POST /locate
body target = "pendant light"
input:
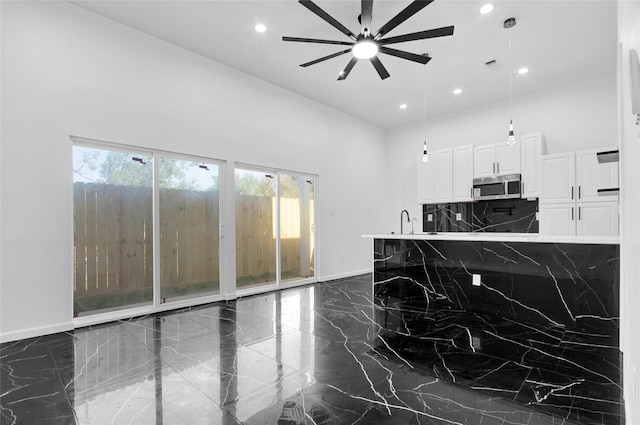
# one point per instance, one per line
(425, 154)
(511, 138)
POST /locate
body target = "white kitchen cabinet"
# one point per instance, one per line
(463, 173)
(558, 178)
(443, 178)
(532, 147)
(570, 176)
(496, 159)
(484, 161)
(426, 181)
(507, 158)
(557, 219)
(581, 219)
(591, 176)
(435, 178)
(597, 219)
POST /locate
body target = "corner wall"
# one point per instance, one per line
(67, 71)
(629, 38)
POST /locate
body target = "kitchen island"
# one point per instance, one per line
(559, 280)
(526, 318)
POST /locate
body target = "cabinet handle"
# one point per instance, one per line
(572, 214)
(471, 192)
(579, 192)
(572, 193)
(579, 213)
(494, 168)
(498, 167)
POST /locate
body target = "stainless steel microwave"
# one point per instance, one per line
(497, 187)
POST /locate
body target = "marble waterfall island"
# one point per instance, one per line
(525, 317)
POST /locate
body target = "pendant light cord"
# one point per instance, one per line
(424, 103)
(510, 86)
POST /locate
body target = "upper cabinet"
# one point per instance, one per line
(443, 175)
(426, 181)
(496, 159)
(463, 173)
(578, 176)
(592, 176)
(558, 178)
(533, 146)
(447, 176)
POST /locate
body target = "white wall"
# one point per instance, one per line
(629, 38)
(66, 71)
(582, 115)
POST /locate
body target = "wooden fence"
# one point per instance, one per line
(113, 238)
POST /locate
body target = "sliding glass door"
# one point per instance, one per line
(274, 227)
(189, 206)
(297, 242)
(146, 228)
(113, 229)
(255, 228)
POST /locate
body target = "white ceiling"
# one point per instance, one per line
(559, 41)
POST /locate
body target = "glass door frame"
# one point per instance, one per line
(278, 284)
(157, 305)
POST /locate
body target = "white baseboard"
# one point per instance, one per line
(344, 275)
(34, 332)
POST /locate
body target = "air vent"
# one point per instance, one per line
(492, 64)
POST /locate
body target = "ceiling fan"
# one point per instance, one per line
(367, 45)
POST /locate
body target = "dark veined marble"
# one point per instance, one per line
(501, 215)
(321, 354)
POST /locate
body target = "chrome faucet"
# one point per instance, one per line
(402, 215)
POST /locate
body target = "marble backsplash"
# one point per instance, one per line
(508, 215)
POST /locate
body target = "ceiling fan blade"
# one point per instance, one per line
(317, 40)
(438, 32)
(324, 58)
(382, 71)
(405, 55)
(344, 74)
(408, 12)
(324, 15)
(367, 11)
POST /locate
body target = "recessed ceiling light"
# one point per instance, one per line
(457, 91)
(403, 106)
(260, 28)
(523, 70)
(487, 8)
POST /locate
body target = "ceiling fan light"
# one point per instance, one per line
(365, 49)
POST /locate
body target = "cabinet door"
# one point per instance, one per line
(507, 158)
(426, 182)
(558, 219)
(484, 161)
(443, 175)
(531, 150)
(598, 218)
(591, 176)
(463, 173)
(558, 178)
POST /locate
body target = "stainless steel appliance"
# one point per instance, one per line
(496, 187)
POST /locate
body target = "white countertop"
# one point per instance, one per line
(500, 237)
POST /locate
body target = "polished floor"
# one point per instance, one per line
(319, 354)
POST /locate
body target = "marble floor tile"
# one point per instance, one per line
(320, 354)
